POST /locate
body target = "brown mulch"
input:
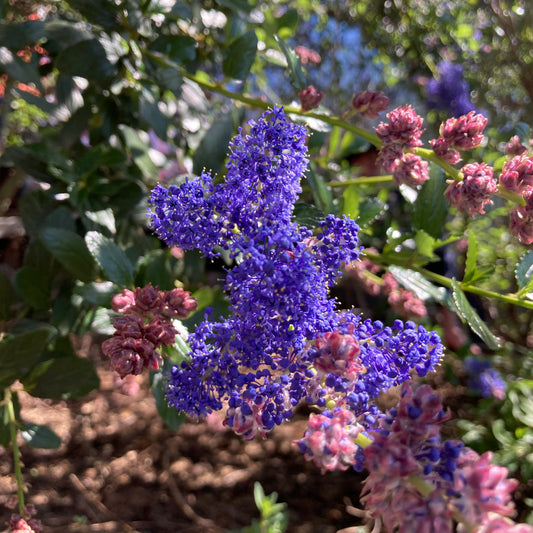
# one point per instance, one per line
(120, 470)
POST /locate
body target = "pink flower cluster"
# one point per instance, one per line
(329, 439)
(18, 524)
(463, 133)
(370, 104)
(144, 326)
(474, 191)
(418, 483)
(403, 301)
(402, 132)
(517, 177)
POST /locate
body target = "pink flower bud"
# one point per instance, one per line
(517, 174)
(307, 55)
(474, 191)
(515, 147)
(389, 156)
(337, 353)
(123, 302)
(179, 303)
(128, 326)
(521, 219)
(310, 98)
(404, 127)
(411, 170)
(160, 332)
(369, 103)
(465, 132)
(442, 149)
(148, 301)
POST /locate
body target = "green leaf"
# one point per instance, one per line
(17, 36)
(307, 215)
(157, 270)
(100, 12)
(430, 207)
(63, 34)
(468, 315)
(296, 72)
(71, 251)
(170, 415)
(369, 210)
(211, 152)
(99, 294)
(33, 285)
(150, 113)
(138, 150)
(86, 59)
(321, 193)
(7, 297)
(425, 244)
(63, 378)
(524, 274)
(236, 5)
(471, 258)
(179, 48)
(18, 69)
(113, 261)
(20, 353)
(38, 436)
(240, 56)
(351, 200)
(418, 284)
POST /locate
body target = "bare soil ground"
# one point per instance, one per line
(120, 470)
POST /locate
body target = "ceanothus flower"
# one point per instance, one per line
(283, 340)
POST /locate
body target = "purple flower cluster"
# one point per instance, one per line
(284, 340)
(449, 92)
(484, 379)
(417, 482)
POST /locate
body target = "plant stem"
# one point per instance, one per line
(361, 180)
(16, 452)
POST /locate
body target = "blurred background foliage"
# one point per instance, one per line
(103, 99)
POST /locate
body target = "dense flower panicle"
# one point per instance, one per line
(482, 488)
(517, 174)
(404, 128)
(515, 147)
(370, 103)
(521, 219)
(474, 191)
(443, 150)
(449, 91)
(145, 324)
(484, 379)
(465, 132)
(310, 98)
(329, 439)
(411, 170)
(416, 479)
(264, 171)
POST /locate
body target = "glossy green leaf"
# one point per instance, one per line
(468, 315)
(471, 258)
(369, 210)
(321, 193)
(7, 297)
(179, 48)
(71, 251)
(240, 56)
(236, 5)
(100, 12)
(86, 59)
(39, 436)
(20, 353)
(524, 274)
(296, 73)
(418, 284)
(170, 415)
(351, 201)
(64, 378)
(16, 36)
(17, 69)
(151, 114)
(138, 150)
(113, 261)
(33, 285)
(213, 147)
(430, 207)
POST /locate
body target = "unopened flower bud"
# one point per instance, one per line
(404, 127)
(369, 103)
(474, 191)
(517, 174)
(411, 170)
(442, 149)
(515, 147)
(123, 302)
(310, 98)
(465, 132)
(521, 219)
(180, 303)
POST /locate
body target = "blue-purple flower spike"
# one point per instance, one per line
(284, 340)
